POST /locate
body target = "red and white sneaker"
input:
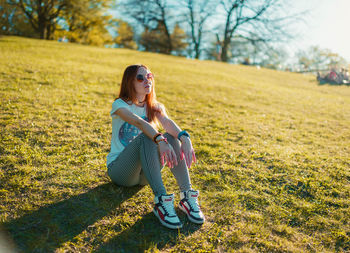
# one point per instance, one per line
(189, 205)
(165, 211)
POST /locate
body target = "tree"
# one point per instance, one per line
(178, 37)
(125, 35)
(155, 40)
(274, 58)
(6, 12)
(85, 22)
(316, 59)
(82, 21)
(41, 14)
(198, 13)
(255, 21)
(152, 15)
(258, 53)
(13, 21)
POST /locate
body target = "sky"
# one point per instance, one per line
(326, 25)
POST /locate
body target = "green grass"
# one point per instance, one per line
(273, 153)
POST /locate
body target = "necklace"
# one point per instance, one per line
(140, 102)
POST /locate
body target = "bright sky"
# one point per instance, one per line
(327, 25)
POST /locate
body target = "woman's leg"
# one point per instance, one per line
(180, 171)
(126, 169)
(189, 198)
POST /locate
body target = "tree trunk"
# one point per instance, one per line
(197, 51)
(224, 49)
(48, 32)
(41, 29)
(227, 39)
(170, 45)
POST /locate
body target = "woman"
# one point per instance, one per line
(139, 151)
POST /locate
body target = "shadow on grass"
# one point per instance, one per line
(148, 233)
(47, 228)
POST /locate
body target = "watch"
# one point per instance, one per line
(183, 132)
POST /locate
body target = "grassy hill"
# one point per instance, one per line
(273, 153)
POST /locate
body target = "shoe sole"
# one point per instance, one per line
(164, 223)
(189, 216)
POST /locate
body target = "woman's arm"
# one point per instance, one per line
(172, 128)
(169, 125)
(137, 121)
(167, 154)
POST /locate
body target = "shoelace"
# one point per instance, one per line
(169, 208)
(193, 202)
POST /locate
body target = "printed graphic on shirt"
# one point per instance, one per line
(128, 132)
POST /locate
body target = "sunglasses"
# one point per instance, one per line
(141, 78)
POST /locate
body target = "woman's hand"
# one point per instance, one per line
(167, 154)
(187, 151)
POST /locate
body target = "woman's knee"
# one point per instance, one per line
(149, 144)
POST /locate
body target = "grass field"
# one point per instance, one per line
(273, 153)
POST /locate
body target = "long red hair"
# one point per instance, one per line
(128, 92)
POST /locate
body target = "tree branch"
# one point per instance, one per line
(28, 14)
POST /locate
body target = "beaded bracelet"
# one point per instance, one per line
(164, 139)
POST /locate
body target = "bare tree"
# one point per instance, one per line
(315, 59)
(151, 15)
(198, 13)
(255, 21)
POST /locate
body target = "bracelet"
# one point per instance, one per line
(156, 136)
(164, 139)
(183, 132)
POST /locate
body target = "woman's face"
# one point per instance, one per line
(143, 81)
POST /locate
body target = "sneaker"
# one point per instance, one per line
(189, 205)
(165, 211)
